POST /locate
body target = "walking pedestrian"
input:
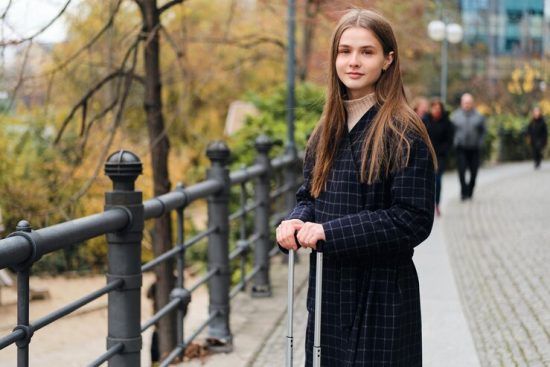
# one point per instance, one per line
(421, 106)
(469, 134)
(440, 131)
(368, 199)
(538, 135)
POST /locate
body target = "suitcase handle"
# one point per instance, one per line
(318, 300)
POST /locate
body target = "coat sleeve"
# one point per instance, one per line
(396, 229)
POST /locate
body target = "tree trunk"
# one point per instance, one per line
(312, 8)
(159, 148)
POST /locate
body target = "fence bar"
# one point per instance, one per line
(175, 352)
(124, 260)
(246, 174)
(181, 265)
(204, 279)
(262, 284)
(162, 204)
(180, 348)
(15, 250)
(23, 316)
(282, 161)
(115, 349)
(160, 314)
(243, 246)
(64, 311)
(197, 331)
(176, 250)
(23, 230)
(11, 338)
(247, 209)
(218, 249)
(280, 191)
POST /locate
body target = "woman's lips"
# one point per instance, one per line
(355, 75)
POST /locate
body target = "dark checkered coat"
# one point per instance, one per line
(371, 302)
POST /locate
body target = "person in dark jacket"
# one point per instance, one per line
(469, 134)
(538, 135)
(368, 197)
(440, 131)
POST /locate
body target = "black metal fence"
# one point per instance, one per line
(123, 221)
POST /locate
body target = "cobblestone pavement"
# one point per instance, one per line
(499, 245)
(273, 354)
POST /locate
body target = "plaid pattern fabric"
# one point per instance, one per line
(371, 302)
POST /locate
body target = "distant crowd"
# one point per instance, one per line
(463, 131)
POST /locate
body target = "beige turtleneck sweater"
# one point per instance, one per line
(356, 108)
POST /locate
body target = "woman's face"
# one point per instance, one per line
(360, 61)
(436, 111)
(536, 112)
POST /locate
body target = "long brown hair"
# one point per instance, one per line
(387, 147)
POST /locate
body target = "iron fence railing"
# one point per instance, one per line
(123, 221)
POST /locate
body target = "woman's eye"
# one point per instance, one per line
(343, 51)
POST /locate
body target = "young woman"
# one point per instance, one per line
(368, 194)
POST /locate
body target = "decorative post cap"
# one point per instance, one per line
(218, 152)
(123, 167)
(23, 226)
(263, 143)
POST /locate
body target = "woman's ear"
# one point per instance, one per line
(388, 61)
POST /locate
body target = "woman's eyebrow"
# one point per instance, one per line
(363, 47)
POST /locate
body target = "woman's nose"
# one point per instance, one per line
(354, 59)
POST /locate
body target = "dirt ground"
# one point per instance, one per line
(79, 338)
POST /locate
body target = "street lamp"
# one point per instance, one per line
(441, 31)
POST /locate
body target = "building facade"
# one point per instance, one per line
(503, 34)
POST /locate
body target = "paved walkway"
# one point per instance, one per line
(500, 246)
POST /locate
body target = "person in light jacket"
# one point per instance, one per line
(469, 134)
(368, 198)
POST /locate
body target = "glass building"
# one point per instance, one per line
(505, 27)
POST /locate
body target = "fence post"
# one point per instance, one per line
(262, 285)
(124, 259)
(219, 333)
(24, 228)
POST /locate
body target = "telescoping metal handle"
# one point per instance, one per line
(318, 299)
(290, 307)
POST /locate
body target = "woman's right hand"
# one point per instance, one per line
(285, 233)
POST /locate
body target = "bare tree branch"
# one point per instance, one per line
(84, 99)
(249, 41)
(21, 75)
(168, 5)
(114, 127)
(120, 72)
(37, 33)
(90, 124)
(230, 17)
(5, 13)
(93, 40)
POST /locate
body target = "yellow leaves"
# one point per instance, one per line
(483, 109)
(544, 106)
(523, 80)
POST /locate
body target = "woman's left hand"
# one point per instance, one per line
(310, 233)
